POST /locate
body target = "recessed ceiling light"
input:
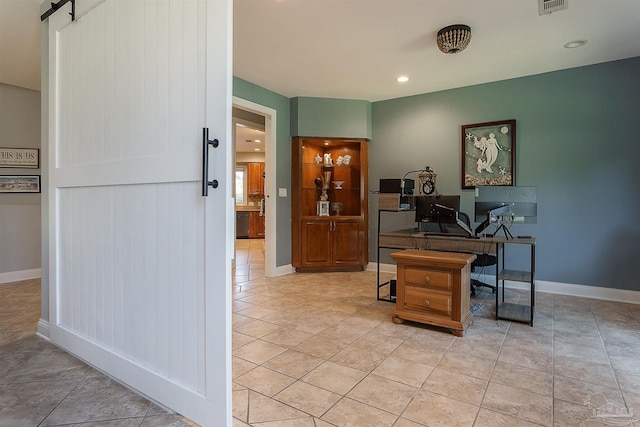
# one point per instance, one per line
(257, 140)
(575, 43)
(256, 149)
(402, 79)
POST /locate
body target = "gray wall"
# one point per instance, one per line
(576, 141)
(19, 213)
(250, 92)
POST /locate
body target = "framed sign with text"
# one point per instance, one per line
(19, 158)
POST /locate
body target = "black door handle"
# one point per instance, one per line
(206, 142)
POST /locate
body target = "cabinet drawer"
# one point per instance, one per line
(434, 279)
(418, 298)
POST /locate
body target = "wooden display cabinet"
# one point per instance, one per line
(339, 241)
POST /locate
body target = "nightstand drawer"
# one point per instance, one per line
(433, 279)
(418, 298)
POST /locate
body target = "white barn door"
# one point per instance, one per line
(140, 268)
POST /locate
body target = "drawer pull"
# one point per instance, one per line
(426, 302)
(427, 279)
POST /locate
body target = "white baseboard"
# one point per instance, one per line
(284, 270)
(586, 291)
(16, 276)
(43, 329)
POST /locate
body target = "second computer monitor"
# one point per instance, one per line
(437, 209)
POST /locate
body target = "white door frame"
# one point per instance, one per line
(270, 179)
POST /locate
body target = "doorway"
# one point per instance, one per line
(267, 116)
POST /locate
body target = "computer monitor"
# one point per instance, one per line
(440, 214)
(517, 205)
(433, 208)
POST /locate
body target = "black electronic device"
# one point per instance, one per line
(440, 215)
(522, 203)
(395, 185)
(426, 210)
(504, 206)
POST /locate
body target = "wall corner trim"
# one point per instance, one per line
(43, 329)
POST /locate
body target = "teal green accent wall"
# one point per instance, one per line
(348, 118)
(576, 140)
(251, 92)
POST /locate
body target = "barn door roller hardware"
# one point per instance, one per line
(56, 6)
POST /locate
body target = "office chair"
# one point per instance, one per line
(481, 261)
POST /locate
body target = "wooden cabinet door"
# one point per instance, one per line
(347, 242)
(260, 225)
(316, 243)
(326, 242)
(255, 181)
(253, 232)
(256, 225)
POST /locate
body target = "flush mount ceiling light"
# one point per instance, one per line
(575, 43)
(454, 38)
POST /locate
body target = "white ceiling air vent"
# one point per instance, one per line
(548, 6)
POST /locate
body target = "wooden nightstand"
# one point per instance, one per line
(433, 288)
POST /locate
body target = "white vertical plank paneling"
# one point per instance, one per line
(83, 91)
(176, 266)
(122, 292)
(64, 101)
(191, 339)
(134, 197)
(175, 71)
(148, 288)
(121, 274)
(151, 84)
(123, 79)
(161, 296)
(135, 148)
(161, 134)
(97, 53)
(106, 66)
(190, 74)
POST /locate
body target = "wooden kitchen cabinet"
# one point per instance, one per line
(255, 179)
(338, 241)
(434, 288)
(256, 225)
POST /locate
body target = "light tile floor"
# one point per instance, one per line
(319, 350)
(41, 385)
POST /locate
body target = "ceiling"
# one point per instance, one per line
(249, 139)
(355, 49)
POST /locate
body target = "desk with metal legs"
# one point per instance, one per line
(414, 239)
